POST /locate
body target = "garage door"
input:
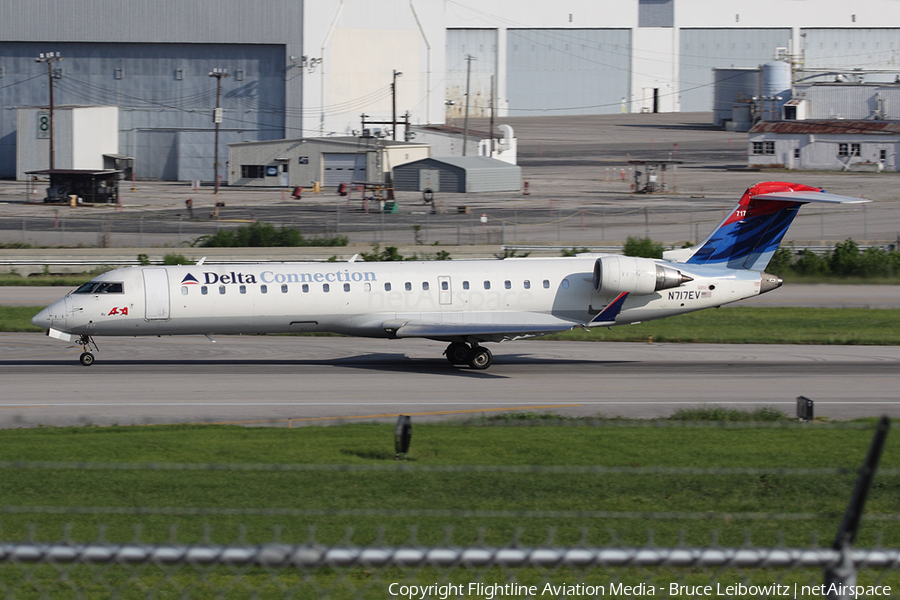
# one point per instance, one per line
(343, 168)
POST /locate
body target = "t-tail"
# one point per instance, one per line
(749, 236)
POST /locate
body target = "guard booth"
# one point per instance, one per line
(90, 187)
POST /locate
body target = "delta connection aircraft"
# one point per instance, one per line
(464, 302)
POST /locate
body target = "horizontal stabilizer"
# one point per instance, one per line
(810, 197)
(608, 316)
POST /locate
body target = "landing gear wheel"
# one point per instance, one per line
(86, 358)
(457, 353)
(480, 358)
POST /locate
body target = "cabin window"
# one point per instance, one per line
(408, 286)
(425, 285)
(465, 285)
(264, 289)
(346, 287)
(546, 284)
(565, 284)
(368, 287)
(305, 288)
(284, 288)
(387, 287)
(204, 290)
(487, 285)
(326, 287)
(526, 284)
(445, 286)
(184, 290)
(221, 289)
(243, 289)
(507, 284)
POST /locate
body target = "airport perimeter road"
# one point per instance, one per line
(814, 296)
(269, 380)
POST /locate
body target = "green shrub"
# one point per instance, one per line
(644, 247)
(264, 235)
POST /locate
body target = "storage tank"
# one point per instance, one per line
(776, 82)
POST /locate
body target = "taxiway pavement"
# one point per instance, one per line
(294, 381)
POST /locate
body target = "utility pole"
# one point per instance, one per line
(469, 59)
(394, 103)
(50, 58)
(217, 119)
(491, 152)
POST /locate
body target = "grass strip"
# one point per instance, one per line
(393, 497)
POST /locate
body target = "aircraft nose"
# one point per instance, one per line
(43, 319)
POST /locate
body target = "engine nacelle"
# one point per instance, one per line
(638, 276)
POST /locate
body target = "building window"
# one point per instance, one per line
(253, 171)
(656, 13)
(796, 152)
(845, 149)
(882, 155)
(764, 148)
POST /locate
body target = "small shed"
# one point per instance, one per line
(90, 186)
(463, 174)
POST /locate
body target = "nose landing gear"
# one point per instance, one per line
(477, 357)
(87, 358)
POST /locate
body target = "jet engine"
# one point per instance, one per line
(638, 276)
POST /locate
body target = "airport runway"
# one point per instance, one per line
(308, 380)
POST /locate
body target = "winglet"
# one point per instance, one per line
(609, 314)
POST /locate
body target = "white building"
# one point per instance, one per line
(833, 145)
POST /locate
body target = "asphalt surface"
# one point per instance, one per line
(294, 381)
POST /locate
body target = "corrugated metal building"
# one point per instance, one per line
(311, 68)
(826, 145)
(330, 161)
(464, 174)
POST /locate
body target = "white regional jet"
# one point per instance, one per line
(464, 302)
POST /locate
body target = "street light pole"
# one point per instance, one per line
(394, 103)
(217, 119)
(50, 58)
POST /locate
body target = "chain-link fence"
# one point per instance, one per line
(596, 226)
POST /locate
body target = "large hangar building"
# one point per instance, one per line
(307, 69)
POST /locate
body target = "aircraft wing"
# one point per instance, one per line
(425, 329)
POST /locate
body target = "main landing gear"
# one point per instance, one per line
(477, 357)
(87, 358)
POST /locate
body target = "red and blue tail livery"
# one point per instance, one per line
(749, 236)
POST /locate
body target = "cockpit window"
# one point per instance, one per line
(101, 287)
